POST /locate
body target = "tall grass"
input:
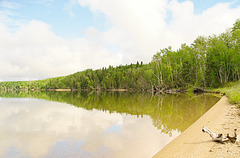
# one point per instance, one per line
(232, 91)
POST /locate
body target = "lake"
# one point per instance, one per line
(94, 125)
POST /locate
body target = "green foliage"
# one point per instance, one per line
(208, 62)
(134, 76)
(232, 91)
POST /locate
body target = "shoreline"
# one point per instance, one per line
(194, 143)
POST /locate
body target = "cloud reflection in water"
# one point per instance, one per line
(38, 128)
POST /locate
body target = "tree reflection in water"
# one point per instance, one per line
(169, 112)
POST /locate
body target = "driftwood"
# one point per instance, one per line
(232, 138)
(215, 137)
(221, 138)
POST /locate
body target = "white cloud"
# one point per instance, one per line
(8, 4)
(68, 7)
(185, 26)
(138, 29)
(35, 52)
(146, 26)
(137, 22)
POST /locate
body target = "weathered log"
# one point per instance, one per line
(233, 137)
(215, 137)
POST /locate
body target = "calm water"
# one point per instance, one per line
(65, 124)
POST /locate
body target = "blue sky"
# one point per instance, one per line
(201, 5)
(47, 38)
(67, 19)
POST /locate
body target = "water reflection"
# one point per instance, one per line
(104, 125)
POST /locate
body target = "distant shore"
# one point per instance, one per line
(68, 90)
(155, 91)
(221, 118)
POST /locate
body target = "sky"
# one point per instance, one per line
(40, 39)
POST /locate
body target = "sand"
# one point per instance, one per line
(193, 143)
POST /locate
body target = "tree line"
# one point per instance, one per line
(208, 62)
(133, 76)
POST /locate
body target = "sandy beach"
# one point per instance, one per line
(193, 143)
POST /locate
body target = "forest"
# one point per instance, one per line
(208, 62)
